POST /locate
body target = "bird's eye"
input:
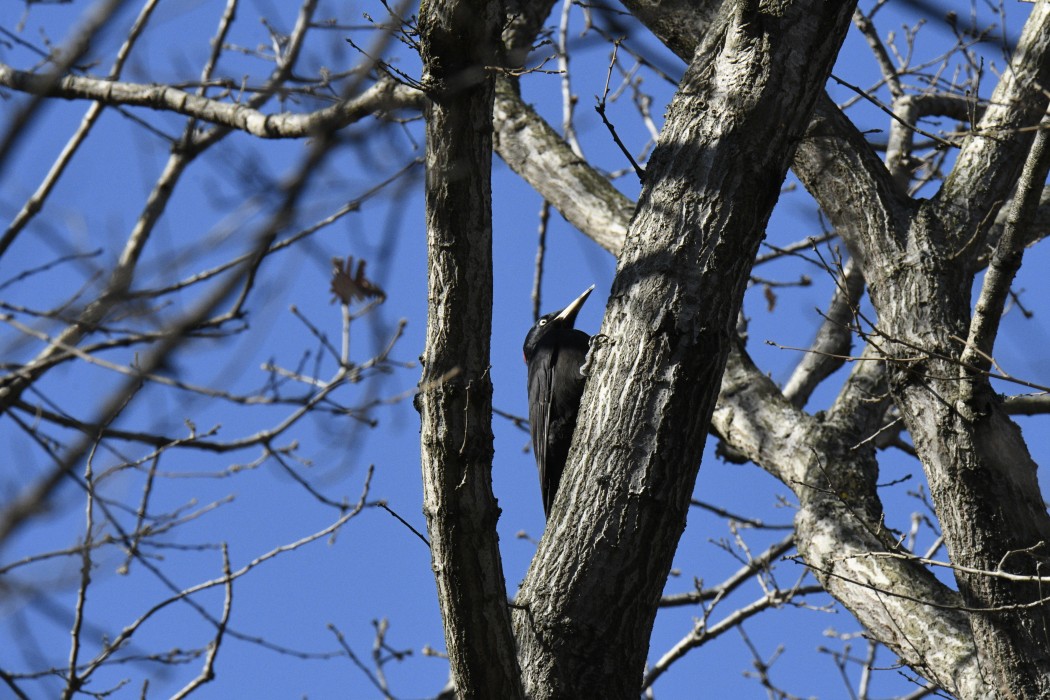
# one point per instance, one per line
(543, 322)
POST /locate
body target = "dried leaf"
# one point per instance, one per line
(348, 287)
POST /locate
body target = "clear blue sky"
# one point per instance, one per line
(375, 567)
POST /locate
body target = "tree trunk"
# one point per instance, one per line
(919, 260)
(709, 188)
(458, 41)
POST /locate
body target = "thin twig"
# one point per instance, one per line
(600, 109)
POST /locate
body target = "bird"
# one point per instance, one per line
(555, 354)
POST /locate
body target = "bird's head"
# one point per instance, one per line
(553, 322)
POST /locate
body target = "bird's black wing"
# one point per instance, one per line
(541, 375)
(555, 387)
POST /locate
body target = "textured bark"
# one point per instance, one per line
(754, 418)
(455, 402)
(667, 334)
(534, 150)
(833, 341)
(895, 599)
(710, 187)
(679, 24)
(838, 530)
(911, 612)
(919, 260)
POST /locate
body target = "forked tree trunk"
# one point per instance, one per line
(588, 602)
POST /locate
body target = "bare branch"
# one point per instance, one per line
(37, 199)
(1006, 259)
(751, 568)
(536, 152)
(703, 633)
(385, 95)
(993, 154)
(207, 673)
(65, 58)
(1027, 404)
(833, 339)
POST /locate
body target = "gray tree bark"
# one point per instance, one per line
(589, 599)
(753, 92)
(919, 618)
(919, 260)
(459, 42)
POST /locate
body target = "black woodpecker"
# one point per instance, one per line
(555, 353)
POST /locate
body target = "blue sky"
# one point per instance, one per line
(375, 567)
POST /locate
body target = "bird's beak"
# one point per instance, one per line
(569, 312)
